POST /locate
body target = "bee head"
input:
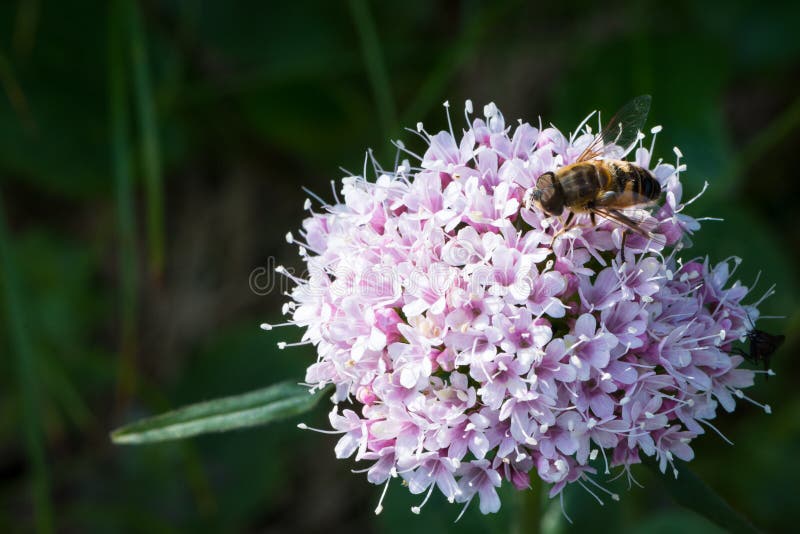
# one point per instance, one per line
(548, 196)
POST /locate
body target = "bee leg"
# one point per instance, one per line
(565, 226)
(622, 246)
(568, 220)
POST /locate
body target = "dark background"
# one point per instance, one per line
(152, 156)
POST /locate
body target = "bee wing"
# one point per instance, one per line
(638, 221)
(621, 130)
(623, 199)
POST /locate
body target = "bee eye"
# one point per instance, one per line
(545, 180)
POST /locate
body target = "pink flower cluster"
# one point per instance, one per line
(471, 340)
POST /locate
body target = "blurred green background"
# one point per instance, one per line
(152, 156)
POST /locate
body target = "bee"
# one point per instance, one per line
(598, 184)
(762, 346)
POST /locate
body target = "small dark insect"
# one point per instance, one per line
(762, 346)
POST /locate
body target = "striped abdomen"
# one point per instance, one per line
(606, 183)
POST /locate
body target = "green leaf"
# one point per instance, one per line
(21, 343)
(124, 196)
(691, 492)
(148, 125)
(276, 402)
(375, 65)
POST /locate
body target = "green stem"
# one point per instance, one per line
(123, 189)
(17, 320)
(151, 156)
(529, 511)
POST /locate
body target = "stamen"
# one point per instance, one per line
(698, 195)
(654, 132)
(418, 509)
(766, 407)
(768, 293)
(446, 105)
(610, 493)
(530, 440)
(605, 459)
(269, 326)
(315, 196)
(280, 269)
(464, 509)
(379, 508)
(573, 135)
(715, 429)
(333, 188)
(563, 509)
(282, 344)
(421, 133)
(303, 426)
(400, 146)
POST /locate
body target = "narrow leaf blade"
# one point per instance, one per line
(149, 136)
(691, 492)
(14, 305)
(124, 199)
(274, 403)
(375, 65)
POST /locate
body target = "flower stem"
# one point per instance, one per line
(529, 508)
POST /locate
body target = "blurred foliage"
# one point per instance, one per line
(232, 108)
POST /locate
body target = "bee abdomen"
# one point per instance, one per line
(639, 181)
(648, 186)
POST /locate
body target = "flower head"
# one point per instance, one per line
(473, 341)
